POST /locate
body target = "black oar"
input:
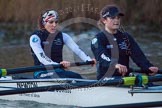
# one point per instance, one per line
(4, 72)
(143, 71)
(120, 81)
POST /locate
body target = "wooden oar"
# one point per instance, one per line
(4, 72)
(127, 81)
(143, 71)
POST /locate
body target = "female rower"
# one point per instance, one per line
(47, 47)
(112, 43)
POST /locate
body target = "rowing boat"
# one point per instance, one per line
(109, 92)
(80, 92)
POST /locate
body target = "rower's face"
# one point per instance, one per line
(112, 23)
(51, 24)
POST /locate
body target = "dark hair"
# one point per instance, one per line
(40, 20)
(40, 24)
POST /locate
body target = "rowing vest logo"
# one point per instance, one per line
(103, 56)
(94, 43)
(109, 46)
(58, 41)
(94, 40)
(123, 45)
(35, 39)
(45, 42)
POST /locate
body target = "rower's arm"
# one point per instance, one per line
(35, 44)
(100, 52)
(75, 48)
(138, 56)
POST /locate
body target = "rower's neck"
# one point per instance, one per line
(111, 31)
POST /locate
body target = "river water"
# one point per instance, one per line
(28, 104)
(18, 55)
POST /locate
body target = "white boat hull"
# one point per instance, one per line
(84, 97)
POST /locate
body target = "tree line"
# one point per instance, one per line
(27, 11)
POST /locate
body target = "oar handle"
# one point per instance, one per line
(4, 72)
(83, 63)
(143, 70)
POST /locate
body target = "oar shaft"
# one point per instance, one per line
(30, 90)
(116, 82)
(143, 70)
(5, 72)
(155, 78)
(61, 87)
(31, 69)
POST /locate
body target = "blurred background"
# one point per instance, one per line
(18, 19)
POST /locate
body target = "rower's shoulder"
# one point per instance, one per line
(64, 34)
(37, 32)
(100, 35)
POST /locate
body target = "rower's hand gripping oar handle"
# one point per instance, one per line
(4, 72)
